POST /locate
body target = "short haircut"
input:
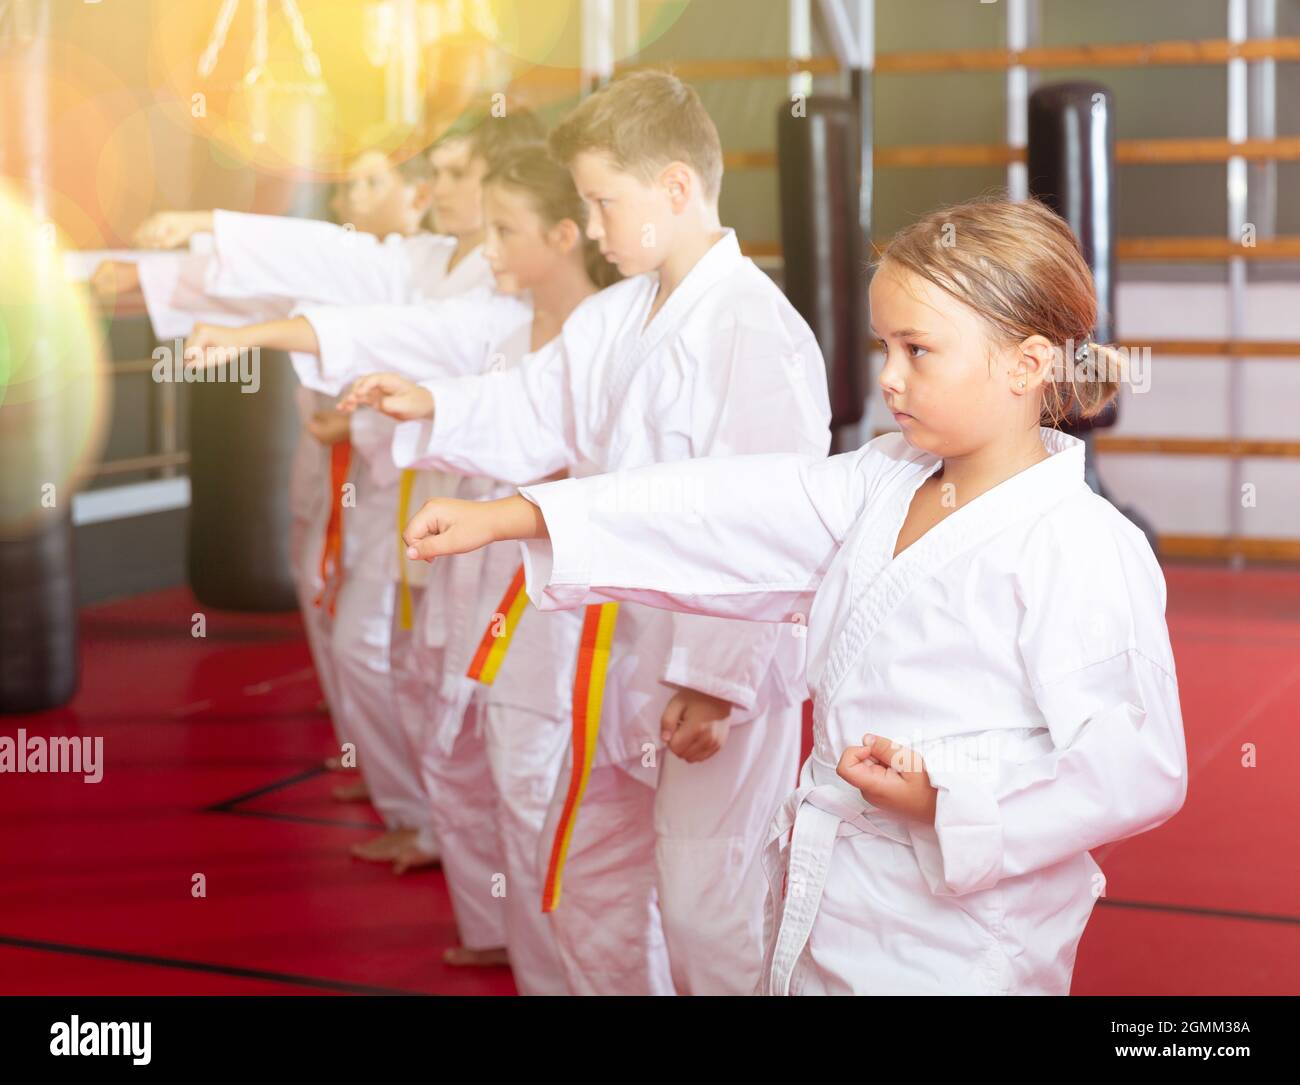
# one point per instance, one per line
(642, 122)
(492, 132)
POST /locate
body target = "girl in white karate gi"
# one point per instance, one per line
(490, 756)
(993, 684)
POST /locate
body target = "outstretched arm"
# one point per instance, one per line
(738, 537)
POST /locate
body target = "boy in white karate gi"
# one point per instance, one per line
(266, 265)
(491, 753)
(370, 641)
(697, 353)
(994, 626)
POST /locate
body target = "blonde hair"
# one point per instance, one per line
(549, 187)
(643, 121)
(1019, 266)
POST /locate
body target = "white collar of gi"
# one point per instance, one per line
(1066, 457)
(721, 259)
(1048, 479)
(1052, 477)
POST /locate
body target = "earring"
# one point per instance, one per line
(1020, 384)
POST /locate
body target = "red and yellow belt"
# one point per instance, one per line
(588, 695)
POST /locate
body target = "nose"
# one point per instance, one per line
(595, 231)
(891, 376)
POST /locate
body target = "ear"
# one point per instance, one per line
(679, 182)
(564, 235)
(1033, 364)
(422, 196)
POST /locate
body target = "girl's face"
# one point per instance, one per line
(457, 188)
(521, 250)
(950, 385)
(378, 200)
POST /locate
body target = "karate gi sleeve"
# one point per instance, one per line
(745, 537)
(176, 297)
(257, 255)
(434, 339)
(758, 391)
(515, 425)
(1096, 650)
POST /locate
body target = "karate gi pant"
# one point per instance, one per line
(711, 823)
(308, 500)
(408, 660)
(361, 638)
(464, 819)
(607, 924)
(526, 752)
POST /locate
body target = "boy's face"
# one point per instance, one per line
(457, 188)
(377, 199)
(943, 370)
(632, 221)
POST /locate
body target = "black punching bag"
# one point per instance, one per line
(1072, 170)
(242, 441)
(819, 160)
(38, 391)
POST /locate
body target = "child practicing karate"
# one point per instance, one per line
(993, 684)
(369, 640)
(491, 760)
(697, 353)
(263, 266)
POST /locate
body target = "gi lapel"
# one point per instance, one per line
(722, 260)
(881, 582)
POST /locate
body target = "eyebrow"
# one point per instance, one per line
(902, 333)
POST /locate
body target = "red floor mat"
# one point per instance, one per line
(96, 894)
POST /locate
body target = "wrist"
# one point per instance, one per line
(517, 518)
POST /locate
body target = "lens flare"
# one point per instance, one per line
(53, 389)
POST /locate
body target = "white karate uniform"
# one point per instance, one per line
(726, 366)
(326, 265)
(1019, 647)
(490, 755)
(177, 295)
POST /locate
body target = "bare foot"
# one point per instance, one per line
(353, 792)
(464, 957)
(385, 847)
(413, 857)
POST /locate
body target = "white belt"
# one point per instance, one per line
(823, 808)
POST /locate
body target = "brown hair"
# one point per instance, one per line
(549, 186)
(491, 134)
(1018, 264)
(643, 121)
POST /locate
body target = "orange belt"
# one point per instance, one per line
(405, 610)
(496, 639)
(331, 554)
(588, 693)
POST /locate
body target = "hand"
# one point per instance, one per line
(695, 724)
(171, 229)
(329, 427)
(215, 344)
(446, 525)
(114, 277)
(891, 777)
(395, 396)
